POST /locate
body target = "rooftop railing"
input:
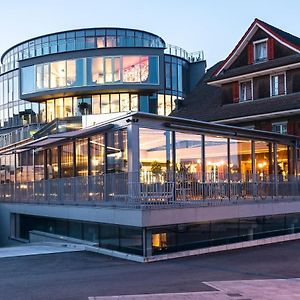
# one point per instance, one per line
(130, 190)
(191, 57)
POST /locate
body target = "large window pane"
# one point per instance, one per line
(82, 157)
(97, 70)
(114, 102)
(135, 68)
(58, 74)
(155, 153)
(52, 163)
(68, 107)
(216, 161)
(240, 160)
(59, 108)
(117, 151)
(108, 70)
(95, 104)
(67, 160)
(27, 80)
(263, 159)
(50, 110)
(189, 156)
(97, 154)
(42, 76)
(105, 104)
(282, 162)
(124, 102)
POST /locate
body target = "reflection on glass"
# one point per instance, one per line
(114, 102)
(68, 109)
(134, 103)
(188, 156)
(39, 165)
(216, 162)
(105, 104)
(160, 104)
(97, 154)
(59, 108)
(168, 99)
(52, 163)
(117, 151)
(97, 70)
(263, 159)
(58, 74)
(117, 71)
(282, 162)
(100, 42)
(240, 160)
(124, 102)
(71, 72)
(27, 74)
(135, 68)
(42, 76)
(67, 160)
(95, 104)
(155, 154)
(82, 157)
(50, 110)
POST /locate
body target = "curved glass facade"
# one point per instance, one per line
(138, 77)
(90, 71)
(79, 40)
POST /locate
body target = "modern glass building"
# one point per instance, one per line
(88, 152)
(93, 71)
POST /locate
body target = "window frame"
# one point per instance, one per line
(284, 83)
(255, 43)
(240, 90)
(282, 123)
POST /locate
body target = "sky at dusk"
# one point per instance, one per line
(212, 26)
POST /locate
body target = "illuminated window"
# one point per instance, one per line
(114, 103)
(159, 240)
(134, 102)
(59, 108)
(42, 76)
(135, 68)
(97, 70)
(68, 109)
(124, 102)
(50, 110)
(108, 69)
(95, 104)
(160, 104)
(71, 72)
(58, 74)
(105, 104)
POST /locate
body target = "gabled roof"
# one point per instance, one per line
(279, 35)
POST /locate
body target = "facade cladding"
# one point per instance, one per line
(88, 150)
(93, 71)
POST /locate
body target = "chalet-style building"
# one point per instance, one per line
(256, 86)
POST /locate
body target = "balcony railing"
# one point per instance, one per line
(131, 190)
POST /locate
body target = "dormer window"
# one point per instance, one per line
(260, 51)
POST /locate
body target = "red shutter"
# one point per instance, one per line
(270, 44)
(290, 127)
(250, 53)
(235, 92)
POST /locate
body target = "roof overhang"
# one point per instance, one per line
(219, 82)
(245, 40)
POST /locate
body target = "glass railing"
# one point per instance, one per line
(179, 52)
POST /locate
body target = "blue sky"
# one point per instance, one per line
(212, 26)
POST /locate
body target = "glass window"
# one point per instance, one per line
(155, 154)
(38, 165)
(117, 151)
(82, 157)
(134, 102)
(260, 51)
(108, 69)
(114, 103)
(67, 160)
(160, 104)
(97, 154)
(97, 70)
(216, 161)
(168, 76)
(50, 111)
(58, 74)
(59, 108)
(68, 107)
(240, 160)
(263, 159)
(42, 76)
(117, 70)
(180, 82)
(111, 41)
(174, 77)
(105, 104)
(52, 163)
(84, 106)
(282, 162)
(188, 158)
(280, 127)
(278, 85)
(71, 72)
(135, 68)
(124, 102)
(27, 74)
(100, 42)
(95, 104)
(90, 42)
(246, 91)
(168, 100)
